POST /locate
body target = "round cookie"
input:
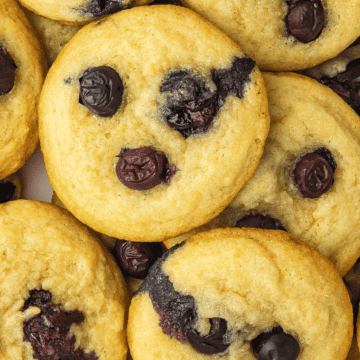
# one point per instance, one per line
(56, 278)
(189, 123)
(22, 72)
(54, 35)
(341, 74)
(305, 118)
(285, 34)
(76, 12)
(234, 293)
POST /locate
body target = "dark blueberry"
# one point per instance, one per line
(7, 71)
(275, 345)
(169, 304)
(7, 191)
(259, 221)
(313, 173)
(100, 8)
(167, 2)
(143, 168)
(305, 19)
(213, 343)
(191, 104)
(347, 84)
(101, 90)
(49, 332)
(135, 258)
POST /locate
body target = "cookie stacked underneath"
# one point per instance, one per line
(62, 295)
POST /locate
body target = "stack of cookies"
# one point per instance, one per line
(205, 161)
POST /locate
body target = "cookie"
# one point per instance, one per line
(241, 294)
(285, 34)
(315, 133)
(341, 74)
(76, 12)
(22, 72)
(53, 34)
(61, 291)
(181, 130)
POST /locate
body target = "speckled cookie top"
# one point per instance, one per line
(251, 280)
(79, 11)
(56, 278)
(134, 132)
(285, 34)
(22, 72)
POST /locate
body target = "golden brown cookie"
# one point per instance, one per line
(77, 12)
(22, 72)
(58, 286)
(241, 294)
(282, 35)
(179, 131)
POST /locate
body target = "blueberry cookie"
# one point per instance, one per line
(241, 294)
(307, 179)
(62, 295)
(76, 12)
(341, 74)
(53, 34)
(151, 121)
(285, 34)
(22, 72)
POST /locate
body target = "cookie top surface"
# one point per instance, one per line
(53, 34)
(79, 11)
(22, 73)
(261, 28)
(305, 117)
(44, 249)
(252, 279)
(168, 59)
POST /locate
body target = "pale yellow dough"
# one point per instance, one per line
(144, 45)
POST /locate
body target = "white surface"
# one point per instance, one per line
(36, 182)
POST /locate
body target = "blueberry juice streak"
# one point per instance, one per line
(178, 314)
(49, 332)
(191, 104)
